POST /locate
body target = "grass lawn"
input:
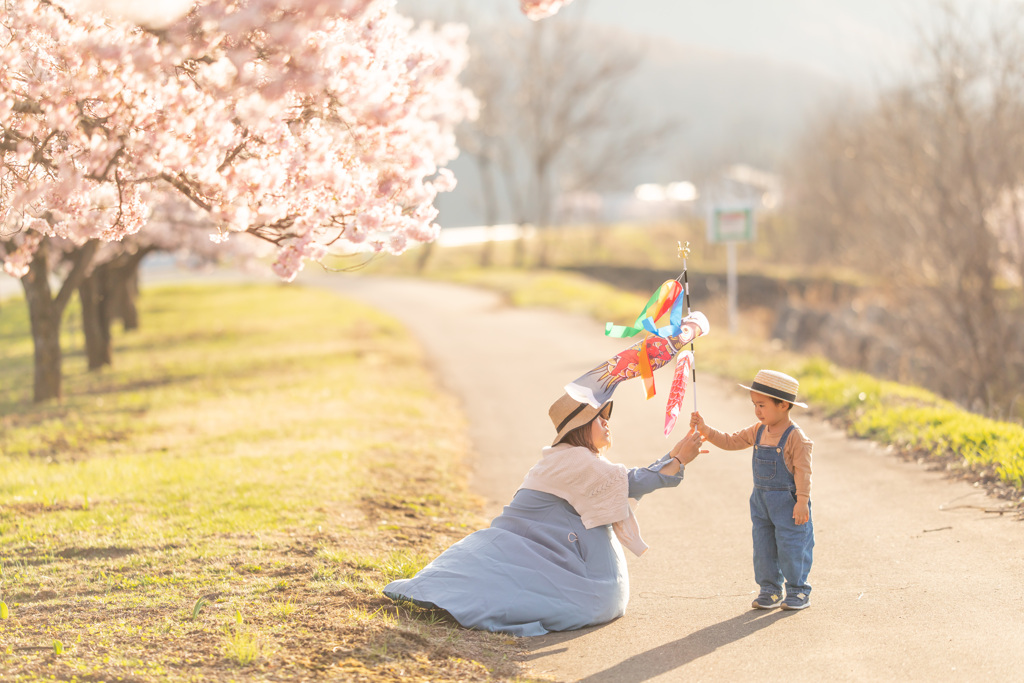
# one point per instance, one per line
(227, 500)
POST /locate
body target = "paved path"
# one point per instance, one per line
(912, 581)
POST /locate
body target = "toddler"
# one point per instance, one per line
(780, 505)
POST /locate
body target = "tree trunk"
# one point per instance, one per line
(490, 199)
(543, 247)
(519, 255)
(123, 288)
(45, 312)
(107, 294)
(424, 257)
(45, 319)
(127, 295)
(94, 328)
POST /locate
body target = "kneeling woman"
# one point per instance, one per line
(552, 561)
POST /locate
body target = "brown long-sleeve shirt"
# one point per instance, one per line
(797, 454)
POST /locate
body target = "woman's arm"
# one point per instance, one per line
(663, 472)
(667, 470)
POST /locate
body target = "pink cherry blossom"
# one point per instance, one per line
(540, 9)
(287, 122)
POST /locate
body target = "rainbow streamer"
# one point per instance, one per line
(666, 298)
(661, 301)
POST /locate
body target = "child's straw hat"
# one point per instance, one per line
(776, 385)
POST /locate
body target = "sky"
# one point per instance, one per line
(856, 41)
(847, 39)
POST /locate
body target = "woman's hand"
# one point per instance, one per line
(688, 448)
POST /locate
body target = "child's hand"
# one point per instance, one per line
(801, 513)
(697, 422)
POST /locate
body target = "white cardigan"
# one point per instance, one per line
(595, 487)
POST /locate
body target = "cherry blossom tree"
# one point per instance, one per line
(312, 126)
(346, 90)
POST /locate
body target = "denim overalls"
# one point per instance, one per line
(781, 548)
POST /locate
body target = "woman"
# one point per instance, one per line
(552, 561)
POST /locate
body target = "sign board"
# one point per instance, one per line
(731, 224)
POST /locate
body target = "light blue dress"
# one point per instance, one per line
(535, 569)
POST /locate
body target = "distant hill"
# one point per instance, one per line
(731, 109)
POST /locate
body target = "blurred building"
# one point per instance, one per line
(646, 203)
(740, 182)
(653, 202)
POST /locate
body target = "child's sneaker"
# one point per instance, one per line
(766, 601)
(798, 601)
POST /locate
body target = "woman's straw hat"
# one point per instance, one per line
(776, 385)
(567, 414)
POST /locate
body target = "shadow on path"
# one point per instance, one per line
(678, 653)
(544, 646)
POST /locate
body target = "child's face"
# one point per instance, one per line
(768, 412)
